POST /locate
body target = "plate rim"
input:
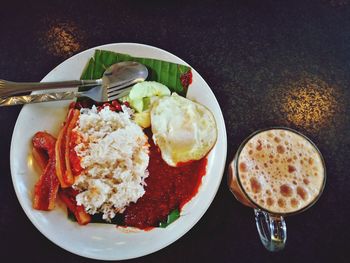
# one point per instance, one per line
(183, 231)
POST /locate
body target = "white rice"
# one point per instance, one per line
(114, 156)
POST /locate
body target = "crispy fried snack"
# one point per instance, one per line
(53, 157)
(68, 195)
(46, 188)
(40, 157)
(62, 149)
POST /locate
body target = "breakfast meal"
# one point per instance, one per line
(131, 161)
(280, 171)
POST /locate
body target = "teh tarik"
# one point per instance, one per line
(280, 171)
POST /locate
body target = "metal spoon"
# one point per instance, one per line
(119, 74)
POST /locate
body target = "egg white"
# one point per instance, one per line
(183, 130)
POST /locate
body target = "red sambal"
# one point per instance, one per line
(167, 188)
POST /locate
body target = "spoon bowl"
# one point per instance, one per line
(124, 72)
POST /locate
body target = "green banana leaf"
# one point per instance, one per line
(176, 77)
(175, 214)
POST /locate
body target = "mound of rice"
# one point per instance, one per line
(114, 156)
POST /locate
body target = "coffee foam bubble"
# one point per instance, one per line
(281, 171)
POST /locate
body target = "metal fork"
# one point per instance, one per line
(98, 94)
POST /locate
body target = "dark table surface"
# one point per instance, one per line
(268, 62)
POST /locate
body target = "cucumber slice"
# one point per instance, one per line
(143, 90)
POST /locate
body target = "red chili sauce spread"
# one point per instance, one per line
(186, 79)
(167, 188)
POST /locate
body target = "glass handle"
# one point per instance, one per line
(272, 230)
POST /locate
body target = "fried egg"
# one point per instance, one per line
(183, 130)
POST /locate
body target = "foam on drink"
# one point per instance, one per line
(280, 171)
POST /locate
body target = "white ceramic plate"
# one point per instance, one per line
(102, 241)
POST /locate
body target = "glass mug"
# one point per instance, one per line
(278, 172)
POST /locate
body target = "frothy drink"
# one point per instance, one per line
(280, 171)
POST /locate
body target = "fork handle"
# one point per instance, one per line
(9, 88)
(37, 98)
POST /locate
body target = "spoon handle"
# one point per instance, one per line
(9, 88)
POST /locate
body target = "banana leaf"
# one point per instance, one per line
(175, 214)
(176, 77)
